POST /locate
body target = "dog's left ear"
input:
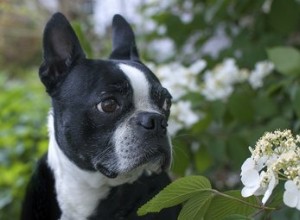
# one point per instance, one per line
(61, 51)
(124, 47)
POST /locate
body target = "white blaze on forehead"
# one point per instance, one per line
(140, 86)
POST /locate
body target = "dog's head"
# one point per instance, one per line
(109, 115)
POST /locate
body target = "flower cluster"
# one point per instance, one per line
(219, 82)
(276, 156)
(180, 80)
(262, 69)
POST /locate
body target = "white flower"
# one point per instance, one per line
(262, 69)
(219, 82)
(182, 116)
(271, 182)
(291, 195)
(275, 153)
(256, 183)
(197, 67)
(250, 178)
(178, 79)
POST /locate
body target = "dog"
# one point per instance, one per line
(109, 148)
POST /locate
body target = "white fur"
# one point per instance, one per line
(142, 102)
(78, 191)
(140, 86)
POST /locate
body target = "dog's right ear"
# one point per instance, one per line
(61, 51)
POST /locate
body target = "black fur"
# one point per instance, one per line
(76, 85)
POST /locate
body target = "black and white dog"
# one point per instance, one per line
(109, 147)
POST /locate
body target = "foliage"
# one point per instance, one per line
(217, 144)
(23, 137)
(200, 201)
(214, 145)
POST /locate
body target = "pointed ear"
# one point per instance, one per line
(124, 47)
(61, 50)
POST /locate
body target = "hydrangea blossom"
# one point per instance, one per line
(180, 80)
(291, 196)
(219, 82)
(182, 116)
(276, 156)
(262, 69)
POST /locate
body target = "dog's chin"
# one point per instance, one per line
(153, 163)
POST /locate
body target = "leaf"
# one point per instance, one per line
(264, 106)
(284, 24)
(181, 157)
(236, 217)
(295, 101)
(285, 59)
(203, 160)
(221, 206)
(241, 107)
(195, 208)
(176, 193)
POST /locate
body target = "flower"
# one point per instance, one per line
(219, 82)
(291, 195)
(182, 116)
(178, 79)
(275, 154)
(262, 69)
(257, 183)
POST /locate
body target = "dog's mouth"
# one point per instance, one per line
(154, 162)
(106, 172)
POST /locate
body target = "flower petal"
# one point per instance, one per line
(290, 199)
(248, 191)
(250, 178)
(273, 182)
(298, 203)
(247, 165)
(291, 186)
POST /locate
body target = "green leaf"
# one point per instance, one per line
(176, 193)
(236, 217)
(241, 107)
(181, 157)
(285, 59)
(295, 101)
(203, 160)
(265, 107)
(284, 24)
(221, 206)
(195, 208)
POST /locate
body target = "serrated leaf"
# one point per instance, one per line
(176, 193)
(285, 59)
(195, 208)
(221, 206)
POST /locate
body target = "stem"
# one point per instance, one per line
(242, 201)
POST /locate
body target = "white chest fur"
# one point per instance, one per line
(78, 191)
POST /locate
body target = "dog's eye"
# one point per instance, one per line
(108, 106)
(167, 105)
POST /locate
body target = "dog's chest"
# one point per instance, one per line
(78, 200)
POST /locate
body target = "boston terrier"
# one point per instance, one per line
(109, 147)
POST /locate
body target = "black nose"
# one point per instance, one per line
(152, 121)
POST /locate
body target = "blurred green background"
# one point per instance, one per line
(173, 31)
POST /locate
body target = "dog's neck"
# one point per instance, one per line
(79, 191)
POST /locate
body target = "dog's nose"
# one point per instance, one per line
(152, 121)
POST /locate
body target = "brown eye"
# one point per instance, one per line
(167, 105)
(108, 106)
